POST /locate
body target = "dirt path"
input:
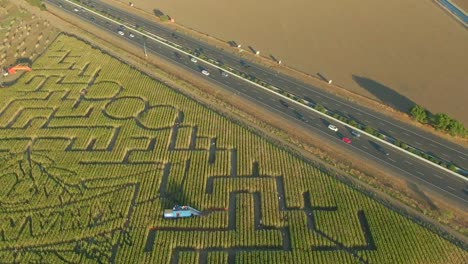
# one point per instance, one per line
(301, 141)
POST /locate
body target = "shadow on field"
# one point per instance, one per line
(422, 196)
(385, 94)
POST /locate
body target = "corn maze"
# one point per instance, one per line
(92, 151)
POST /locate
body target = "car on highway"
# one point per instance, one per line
(285, 104)
(355, 133)
(194, 60)
(346, 140)
(76, 10)
(205, 72)
(299, 115)
(121, 33)
(332, 127)
(224, 74)
(131, 35)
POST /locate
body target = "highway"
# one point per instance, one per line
(416, 171)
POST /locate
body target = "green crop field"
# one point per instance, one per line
(92, 151)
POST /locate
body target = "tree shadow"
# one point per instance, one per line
(385, 94)
(422, 195)
(322, 77)
(158, 13)
(274, 58)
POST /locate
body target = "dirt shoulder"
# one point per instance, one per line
(376, 180)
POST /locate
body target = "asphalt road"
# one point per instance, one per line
(418, 172)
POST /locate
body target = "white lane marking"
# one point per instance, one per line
(391, 131)
(408, 162)
(443, 154)
(461, 157)
(420, 173)
(404, 133)
(438, 176)
(451, 188)
(417, 143)
(359, 113)
(365, 147)
(392, 160)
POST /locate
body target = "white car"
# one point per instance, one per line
(121, 33)
(332, 127)
(194, 60)
(76, 10)
(224, 74)
(131, 35)
(205, 72)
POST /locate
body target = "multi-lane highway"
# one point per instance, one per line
(413, 169)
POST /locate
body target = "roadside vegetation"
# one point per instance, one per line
(439, 121)
(94, 151)
(38, 3)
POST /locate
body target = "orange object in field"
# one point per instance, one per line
(13, 69)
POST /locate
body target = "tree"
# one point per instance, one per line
(370, 130)
(442, 121)
(320, 108)
(456, 128)
(419, 113)
(353, 123)
(452, 167)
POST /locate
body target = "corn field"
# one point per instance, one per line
(92, 151)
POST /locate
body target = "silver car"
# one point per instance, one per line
(356, 133)
(332, 127)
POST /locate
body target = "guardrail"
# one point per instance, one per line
(267, 87)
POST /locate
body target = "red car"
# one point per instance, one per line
(347, 140)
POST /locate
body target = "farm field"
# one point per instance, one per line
(23, 35)
(385, 50)
(93, 151)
